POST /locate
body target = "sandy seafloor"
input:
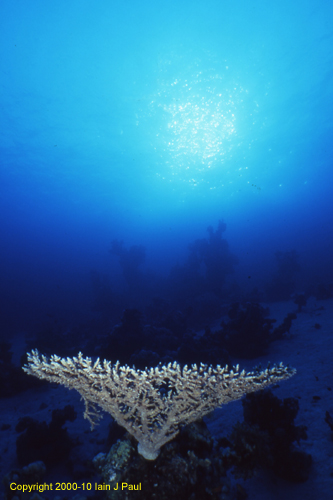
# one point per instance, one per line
(308, 349)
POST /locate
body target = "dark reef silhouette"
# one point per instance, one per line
(190, 315)
(283, 281)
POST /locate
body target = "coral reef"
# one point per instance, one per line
(31, 474)
(266, 438)
(40, 441)
(247, 334)
(151, 404)
(188, 468)
(206, 268)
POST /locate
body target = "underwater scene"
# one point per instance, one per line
(166, 236)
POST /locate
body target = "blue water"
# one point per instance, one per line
(164, 164)
(149, 121)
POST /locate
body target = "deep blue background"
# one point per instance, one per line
(148, 121)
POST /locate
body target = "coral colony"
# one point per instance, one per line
(151, 404)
